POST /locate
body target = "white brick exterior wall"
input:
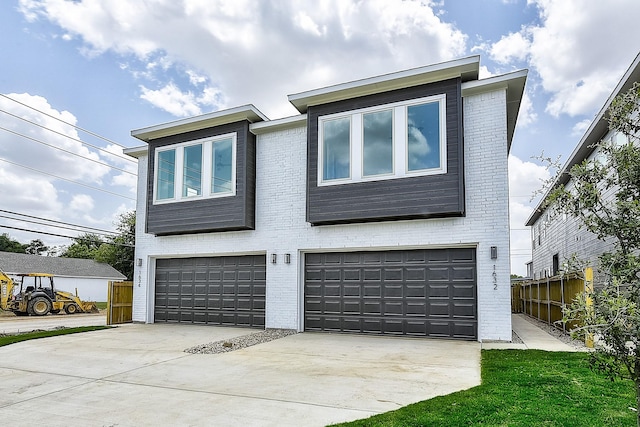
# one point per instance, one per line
(281, 227)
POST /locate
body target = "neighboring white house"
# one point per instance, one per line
(88, 277)
(382, 208)
(556, 237)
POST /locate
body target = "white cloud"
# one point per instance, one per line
(524, 178)
(29, 170)
(81, 203)
(576, 49)
(170, 98)
(514, 46)
(64, 155)
(527, 114)
(258, 52)
(580, 128)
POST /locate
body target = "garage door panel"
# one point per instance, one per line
(351, 307)
(466, 273)
(392, 308)
(393, 291)
(349, 290)
(353, 275)
(351, 325)
(372, 308)
(214, 290)
(330, 290)
(439, 308)
(331, 307)
(392, 274)
(371, 325)
(416, 292)
(416, 274)
(416, 327)
(372, 291)
(464, 310)
(467, 291)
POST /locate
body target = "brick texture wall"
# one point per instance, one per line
(281, 226)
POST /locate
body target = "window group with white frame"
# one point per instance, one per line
(203, 168)
(390, 141)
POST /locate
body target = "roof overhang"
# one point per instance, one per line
(513, 83)
(465, 68)
(278, 124)
(136, 152)
(245, 112)
(597, 130)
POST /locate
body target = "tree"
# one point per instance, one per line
(117, 251)
(84, 246)
(604, 196)
(7, 244)
(36, 247)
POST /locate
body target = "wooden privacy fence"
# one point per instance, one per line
(120, 303)
(544, 298)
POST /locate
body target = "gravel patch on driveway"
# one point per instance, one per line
(244, 341)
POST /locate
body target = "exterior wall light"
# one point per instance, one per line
(139, 262)
(494, 252)
(287, 258)
(274, 258)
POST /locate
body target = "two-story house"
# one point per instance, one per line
(555, 238)
(382, 208)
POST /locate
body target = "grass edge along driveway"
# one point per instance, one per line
(6, 339)
(524, 388)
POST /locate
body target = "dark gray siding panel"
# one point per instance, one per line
(429, 293)
(207, 215)
(407, 198)
(214, 291)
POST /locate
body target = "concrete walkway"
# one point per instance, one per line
(532, 336)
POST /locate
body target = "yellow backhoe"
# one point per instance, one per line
(36, 295)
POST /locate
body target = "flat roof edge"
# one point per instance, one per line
(136, 151)
(245, 112)
(278, 124)
(465, 67)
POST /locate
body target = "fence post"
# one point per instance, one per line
(548, 303)
(588, 288)
(564, 326)
(109, 302)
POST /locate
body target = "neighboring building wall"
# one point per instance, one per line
(281, 227)
(88, 289)
(561, 234)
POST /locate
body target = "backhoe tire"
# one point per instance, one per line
(39, 306)
(71, 309)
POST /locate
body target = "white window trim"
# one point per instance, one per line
(207, 170)
(400, 142)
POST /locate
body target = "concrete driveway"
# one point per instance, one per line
(138, 375)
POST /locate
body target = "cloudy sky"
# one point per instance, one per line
(77, 76)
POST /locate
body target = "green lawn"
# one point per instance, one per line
(13, 338)
(524, 388)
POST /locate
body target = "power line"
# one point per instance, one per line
(66, 179)
(129, 159)
(66, 151)
(60, 235)
(57, 222)
(67, 123)
(110, 234)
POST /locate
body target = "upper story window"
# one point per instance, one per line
(385, 142)
(196, 169)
